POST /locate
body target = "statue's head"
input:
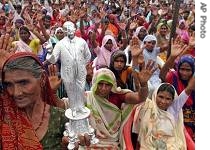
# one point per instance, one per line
(69, 29)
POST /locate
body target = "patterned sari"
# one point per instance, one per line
(16, 131)
(174, 78)
(157, 129)
(107, 118)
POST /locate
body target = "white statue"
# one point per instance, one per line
(74, 54)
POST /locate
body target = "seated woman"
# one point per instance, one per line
(122, 72)
(179, 78)
(159, 122)
(27, 42)
(109, 45)
(28, 116)
(108, 113)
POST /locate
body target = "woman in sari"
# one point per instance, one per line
(29, 119)
(162, 36)
(110, 112)
(110, 115)
(122, 72)
(27, 42)
(180, 78)
(159, 122)
(109, 45)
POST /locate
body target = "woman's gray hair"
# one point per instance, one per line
(25, 64)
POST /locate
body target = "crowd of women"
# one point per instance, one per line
(139, 85)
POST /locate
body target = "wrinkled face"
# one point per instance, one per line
(119, 63)
(164, 100)
(103, 89)
(149, 45)
(109, 45)
(185, 71)
(23, 87)
(24, 35)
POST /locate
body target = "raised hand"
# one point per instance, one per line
(176, 48)
(6, 48)
(135, 47)
(54, 77)
(191, 85)
(192, 40)
(146, 71)
(89, 68)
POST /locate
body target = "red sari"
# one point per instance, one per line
(16, 130)
(189, 106)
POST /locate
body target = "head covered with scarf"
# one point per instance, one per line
(107, 118)
(107, 75)
(117, 73)
(103, 57)
(158, 128)
(186, 59)
(149, 38)
(16, 130)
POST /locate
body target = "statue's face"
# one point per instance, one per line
(69, 28)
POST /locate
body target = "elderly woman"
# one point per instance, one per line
(27, 115)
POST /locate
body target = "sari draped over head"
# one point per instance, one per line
(21, 46)
(158, 129)
(16, 131)
(107, 118)
(174, 78)
(114, 28)
(123, 77)
(183, 33)
(104, 55)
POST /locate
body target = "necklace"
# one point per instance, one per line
(42, 119)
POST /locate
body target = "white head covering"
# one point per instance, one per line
(138, 30)
(59, 28)
(150, 38)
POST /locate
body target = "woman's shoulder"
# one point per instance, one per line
(57, 112)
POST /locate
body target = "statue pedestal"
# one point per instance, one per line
(78, 125)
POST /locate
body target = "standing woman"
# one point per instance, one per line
(27, 117)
